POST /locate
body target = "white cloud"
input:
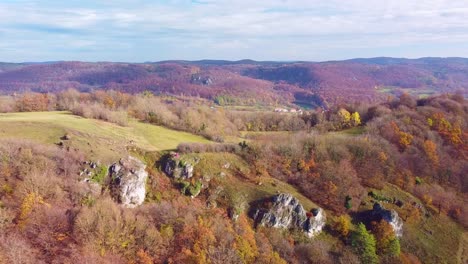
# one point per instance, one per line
(237, 27)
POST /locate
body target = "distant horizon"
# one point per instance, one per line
(235, 60)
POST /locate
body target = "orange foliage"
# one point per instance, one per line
(384, 233)
(109, 102)
(202, 236)
(451, 133)
(30, 102)
(404, 139)
(245, 242)
(143, 257)
(309, 165)
(431, 151)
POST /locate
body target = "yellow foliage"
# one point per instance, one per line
(456, 134)
(197, 256)
(7, 189)
(355, 119)
(301, 165)
(245, 250)
(430, 122)
(245, 242)
(427, 199)
(29, 201)
(404, 139)
(344, 115)
(276, 259)
(382, 156)
(343, 225)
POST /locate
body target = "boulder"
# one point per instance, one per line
(179, 169)
(391, 216)
(315, 224)
(127, 181)
(201, 80)
(287, 212)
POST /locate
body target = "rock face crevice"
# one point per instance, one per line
(128, 181)
(285, 211)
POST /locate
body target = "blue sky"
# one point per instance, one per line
(143, 30)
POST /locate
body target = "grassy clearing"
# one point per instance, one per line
(248, 108)
(354, 131)
(236, 180)
(433, 238)
(265, 187)
(245, 134)
(248, 135)
(417, 92)
(101, 139)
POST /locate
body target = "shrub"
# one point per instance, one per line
(194, 190)
(419, 181)
(100, 174)
(342, 225)
(202, 148)
(348, 203)
(97, 111)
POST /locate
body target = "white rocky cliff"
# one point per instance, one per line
(127, 181)
(286, 212)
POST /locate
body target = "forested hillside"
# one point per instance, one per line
(114, 177)
(248, 82)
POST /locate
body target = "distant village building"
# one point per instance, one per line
(281, 110)
(293, 111)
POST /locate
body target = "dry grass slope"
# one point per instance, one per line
(103, 140)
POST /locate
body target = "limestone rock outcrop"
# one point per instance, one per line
(177, 168)
(287, 212)
(128, 181)
(315, 224)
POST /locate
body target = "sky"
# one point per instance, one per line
(284, 30)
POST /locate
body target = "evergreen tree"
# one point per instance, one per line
(348, 203)
(364, 244)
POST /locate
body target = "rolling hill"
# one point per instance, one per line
(308, 84)
(101, 140)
